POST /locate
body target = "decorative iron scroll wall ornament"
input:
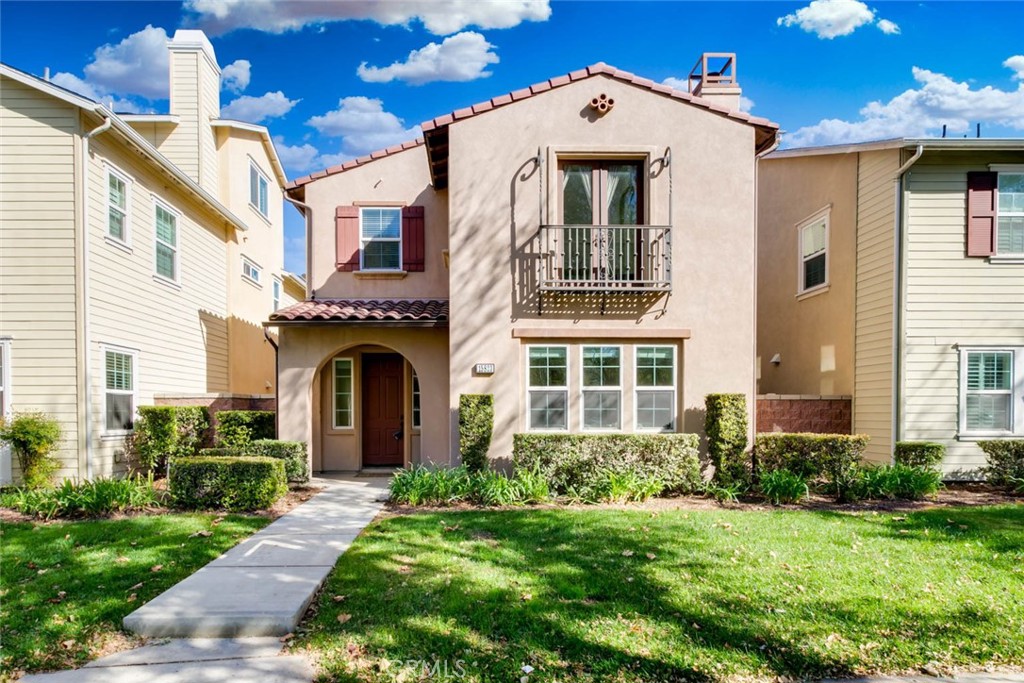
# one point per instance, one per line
(602, 104)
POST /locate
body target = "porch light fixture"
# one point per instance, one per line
(776, 360)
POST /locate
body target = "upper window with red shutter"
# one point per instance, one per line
(380, 238)
(995, 212)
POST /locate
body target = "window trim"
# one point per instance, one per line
(529, 387)
(351, 393)
(126, 241)
(415, 410)
(6, 406)
(255, 267)
(584, 389)
(822, 215)
(176, 247)
(253, 166)
(1016, 392)
(644, 154)
(399, 239)
(672, 390)
(276, 292)
(134, 393)
(1000, 171)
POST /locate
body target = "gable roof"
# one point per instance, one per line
(268, 143)
(435, 131)
(130, 137)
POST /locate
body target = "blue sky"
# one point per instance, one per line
(333, 80)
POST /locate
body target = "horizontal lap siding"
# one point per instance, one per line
(37, 256)
(950, 300)
(872, 410)
(180, 334)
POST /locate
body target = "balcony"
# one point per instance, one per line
(605, 258)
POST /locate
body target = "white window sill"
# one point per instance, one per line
(254, 283)
(256, 210)
(820, 289)
(115, 436)
(971, 438)
(118, 244)
(381, 274)
(167, 281)
(1006, 259)
(342, 431)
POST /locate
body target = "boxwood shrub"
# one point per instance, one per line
(239, 428)
(292, 452)
(919, 454)
(1005, 461)
(725, 423)
(476, 424)
(231, 483)
(574, 463)
(220, 452)
(833, 458)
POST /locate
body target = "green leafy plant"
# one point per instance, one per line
(1005, 458)
(919, 454)
(577, 463)
(163, 432)
(725, 423)
(239, 428)
(292, 452)
(33, 437)
(631, 486)
(830, 458)
(725, 493)
(95, 498)
(495, 488)
(476, 425)
(419, 485)
(783, 487)
(903, 482)
(231, 483)
(535, 487)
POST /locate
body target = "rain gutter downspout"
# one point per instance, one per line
(103, 127)
(307, 213)
(899, 295)
(757, 370)
(277, 380)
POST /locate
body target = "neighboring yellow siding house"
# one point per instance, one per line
(123, 241)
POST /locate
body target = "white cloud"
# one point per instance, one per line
(270, 105)
(924, 110)
(91, 91)
(235, 76)
(462, 57)
(887, 27)
(440, 18)
(833, 18)
(746, 104)
(363, 125)
(138, 65)
(300, 159)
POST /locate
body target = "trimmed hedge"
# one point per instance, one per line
(1005, 461)
(163, 432)
(220, 452)
(231, 483)
(831, 457)
(725, 423)
(574, 463)
(476, 425)
(292, 452)
(919, 454)
(239, 428)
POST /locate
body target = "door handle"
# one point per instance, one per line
(398, 435)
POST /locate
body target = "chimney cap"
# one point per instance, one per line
(194, 39)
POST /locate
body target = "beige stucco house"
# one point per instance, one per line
(893, 271)
(139, 254)
(583, 249)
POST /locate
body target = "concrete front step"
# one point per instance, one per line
(291, 669)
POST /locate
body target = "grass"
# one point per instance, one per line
(65, 587)
(612, 595)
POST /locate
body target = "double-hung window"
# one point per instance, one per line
(380, 238)
(991, 391)
(1010, 207)
(548, 382)
(656, 388)
(602, 387)
(119, 390)
(166, 243)
(343, 413)
(258, 189)
(277, 293)
(251, 271)
(813, 243)
(117, 206)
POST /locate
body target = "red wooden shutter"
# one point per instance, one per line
(413, 251)
(346, 227)
(981, 213)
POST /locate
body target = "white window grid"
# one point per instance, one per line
(364, 240)
(1015, 244)
(600, 388)
(349, 421)
(172, 246)
(251, 270)
(1015, 392)
(259, 189)
(547, 388)
(133, 392)
(124, 211)
(820, 218)
(669, 390)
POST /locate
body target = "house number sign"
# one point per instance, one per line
(484, 368)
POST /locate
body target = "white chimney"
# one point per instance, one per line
(195, 99)
(713, 78)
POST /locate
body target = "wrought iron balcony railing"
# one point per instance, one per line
(605, 258)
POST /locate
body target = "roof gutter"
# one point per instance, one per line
(307, 213)
(899, 294)
(84, 346)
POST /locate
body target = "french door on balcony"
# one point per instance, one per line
(607, 194)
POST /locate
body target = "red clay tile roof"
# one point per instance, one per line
(535, 89)
(423, 311)
(352, 163)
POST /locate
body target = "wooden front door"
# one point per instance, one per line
(383, 437)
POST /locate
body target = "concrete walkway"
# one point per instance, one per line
(223, 622)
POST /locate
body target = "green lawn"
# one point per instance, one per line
(612, 595)
(64, 587)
